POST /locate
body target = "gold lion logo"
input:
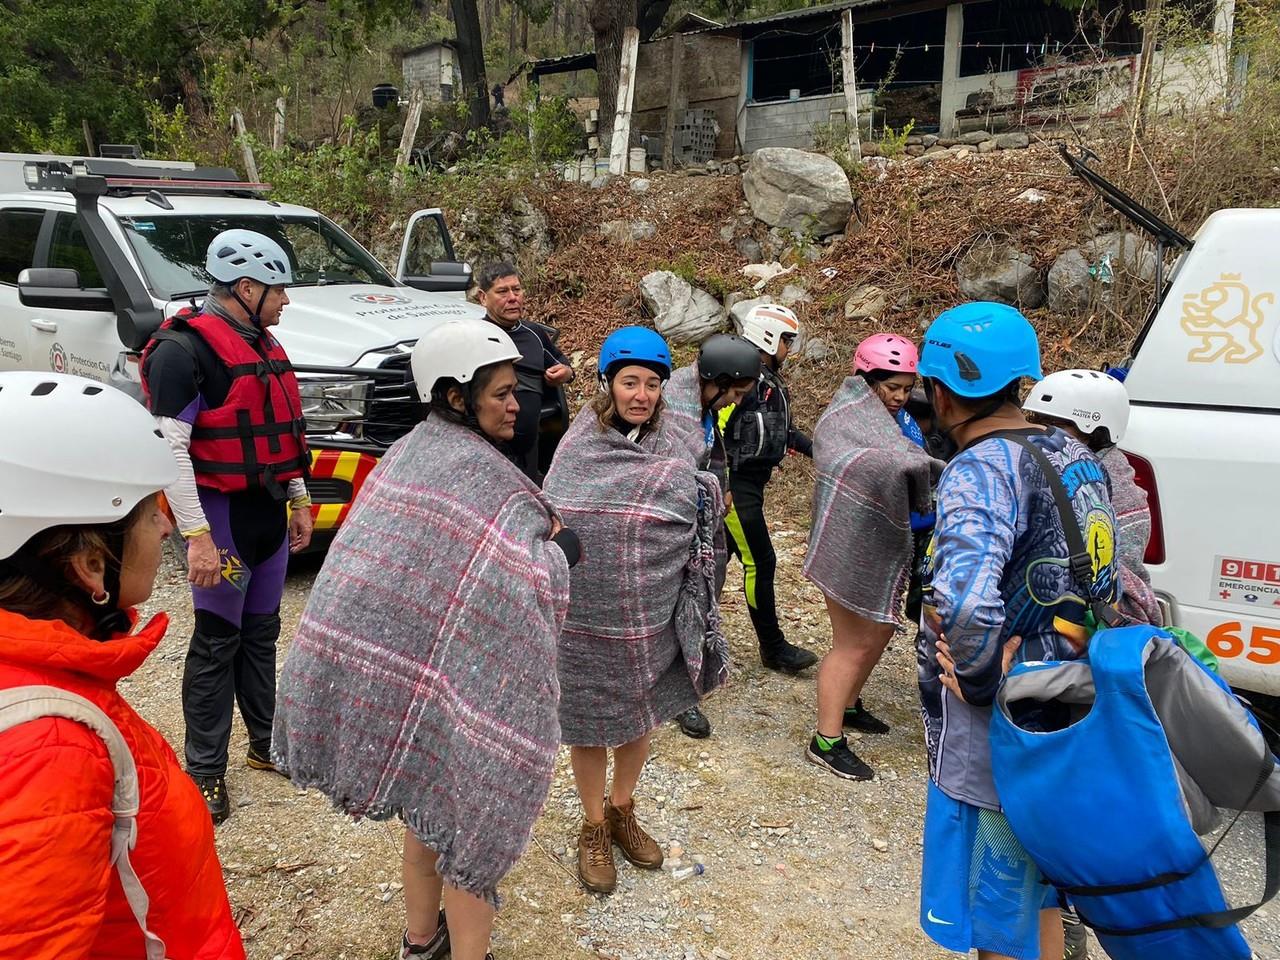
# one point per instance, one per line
(1226, 319)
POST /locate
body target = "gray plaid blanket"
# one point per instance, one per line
(642, 638)
(422, 680)
(869, 478)
(1133, 522)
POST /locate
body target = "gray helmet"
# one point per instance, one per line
(727, 356)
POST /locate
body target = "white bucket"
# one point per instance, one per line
(639, 157)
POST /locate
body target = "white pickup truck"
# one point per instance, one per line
(94, 254)
(1204, 435)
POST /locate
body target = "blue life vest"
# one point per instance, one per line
(1107, 768)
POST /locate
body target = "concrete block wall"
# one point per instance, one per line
(786, 123)
(422, 69)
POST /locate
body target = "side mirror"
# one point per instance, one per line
(58, 288)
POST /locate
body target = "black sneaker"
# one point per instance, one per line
(214, 791)
(1074, 937)
(434, 949)
(840, 760)
(860, 718)
(787, 657)
(693, 723)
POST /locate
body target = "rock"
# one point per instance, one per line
(1126, 253)
(798, 190)
(726, 233)
(915, 150)
(1070, 288)
(936, 148)
(1016, 140)
(878, 165)
(627, 231)
(866, 302)
(681, 312)
(915, 140)
(741, 305)
(639, 185)
(816, 348)
(1032, 195)
(880, 846)
(1002, 274)
(960, 152)
(975, 137)
(987, 146)
(947, 142)
(749, 249)
(928, 140)
(792, 294)
(600, 182)
(869, 148)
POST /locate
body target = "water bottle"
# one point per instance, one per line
(684, 873)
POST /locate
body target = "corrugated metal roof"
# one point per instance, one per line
(821, 9)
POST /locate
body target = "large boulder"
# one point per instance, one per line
(797, 190)
(1070, 287)
(681, 312)
(1000, 273)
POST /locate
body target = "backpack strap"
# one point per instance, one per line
(1079, 561)
(19, 705)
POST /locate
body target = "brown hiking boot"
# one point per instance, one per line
(637, 846)
(595, 857)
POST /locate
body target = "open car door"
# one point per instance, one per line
(427, 260)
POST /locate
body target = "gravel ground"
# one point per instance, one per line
(797, 864)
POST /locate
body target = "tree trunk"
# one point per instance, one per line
(609, 18)
(475, 85)
(192, 97)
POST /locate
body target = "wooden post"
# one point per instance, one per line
(246, 148)
(277, 131)
(88, 137)
(621, 146)
(410, 134)
(850, 83)
(675, 106)
(1150, 33)
(951, 103)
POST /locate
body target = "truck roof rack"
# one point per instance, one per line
(121, 178)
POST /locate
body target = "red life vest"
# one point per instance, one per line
(257, 438)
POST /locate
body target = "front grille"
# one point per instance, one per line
(393, 408)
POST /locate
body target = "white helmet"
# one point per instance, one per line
(767, 323)
(1087, 398)
(457, 349)
(244, 253)
(75, 452)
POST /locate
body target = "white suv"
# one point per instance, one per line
(96, 253)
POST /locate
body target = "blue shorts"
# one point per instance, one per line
(979, 889)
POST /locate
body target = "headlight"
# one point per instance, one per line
(333, 406)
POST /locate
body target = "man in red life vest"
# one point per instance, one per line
(225, 397)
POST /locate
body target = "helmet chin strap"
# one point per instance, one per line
(255, 315)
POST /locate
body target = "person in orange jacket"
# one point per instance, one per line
(106, 848)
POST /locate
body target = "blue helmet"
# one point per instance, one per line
(977, 349)
(634, 345)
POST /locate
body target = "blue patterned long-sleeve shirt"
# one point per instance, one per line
(998, 569)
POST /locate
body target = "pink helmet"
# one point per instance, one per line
(886, 351)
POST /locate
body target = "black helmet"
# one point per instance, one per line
(727, 356)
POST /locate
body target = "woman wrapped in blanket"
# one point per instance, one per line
(642, 640)
(422, 681)
(871, 523)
